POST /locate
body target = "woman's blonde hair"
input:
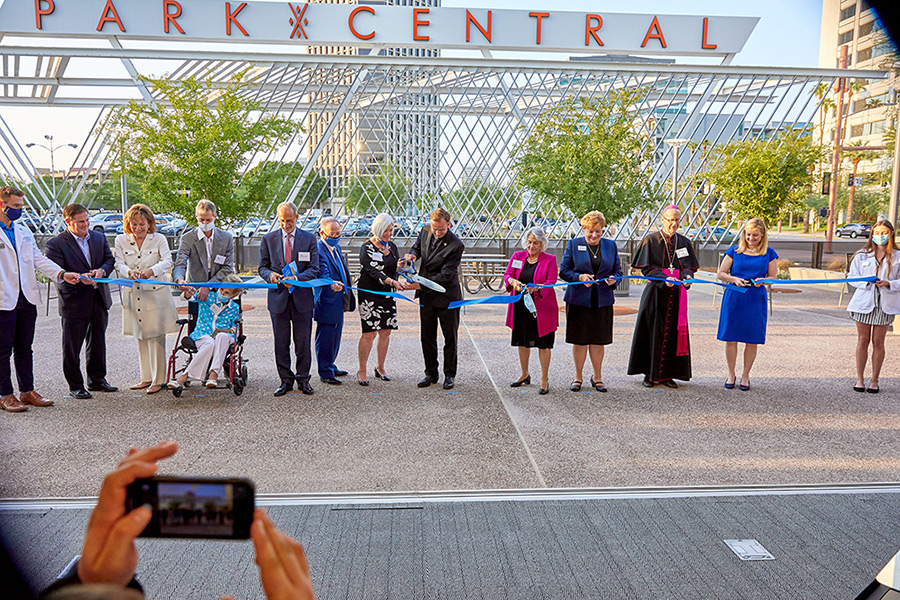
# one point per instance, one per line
(139, 210)
(760, 226)
(593, 219)
(232, 278)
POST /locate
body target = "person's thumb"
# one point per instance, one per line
(131, 525)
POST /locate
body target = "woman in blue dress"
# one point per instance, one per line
(744, 313)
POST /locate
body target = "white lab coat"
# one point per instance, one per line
(26, 261)
(863, 300)
(148, 311)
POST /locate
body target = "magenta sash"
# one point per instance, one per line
(681, 348)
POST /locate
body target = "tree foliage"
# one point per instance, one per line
(478, 197)
(765, 179)
(195, 141)
(270, 183)
(588, 154)
(385, 190)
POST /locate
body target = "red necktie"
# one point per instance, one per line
(288, 250)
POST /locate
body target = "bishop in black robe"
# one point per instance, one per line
(660, 349)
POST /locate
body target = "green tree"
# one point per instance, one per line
(588, 154)
(765, 179)
(855, 157)
(385, 190)
(194, 141)
(868, 202)
(270, 183)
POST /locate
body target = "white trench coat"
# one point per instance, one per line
(148, 311)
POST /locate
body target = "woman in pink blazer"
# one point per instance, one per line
(533, 265)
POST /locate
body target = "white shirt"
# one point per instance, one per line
(83, 244)
(208, 240)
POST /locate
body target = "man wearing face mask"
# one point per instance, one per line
(205, 253)
(437, 253)
(19, 297)
(331, 302)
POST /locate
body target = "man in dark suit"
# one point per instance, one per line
(290, 310)
(438, 252)
(332, 301)
(84, 307)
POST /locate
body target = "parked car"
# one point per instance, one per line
(854, 230)
(173, 227)
(106, 222)
(712, 234)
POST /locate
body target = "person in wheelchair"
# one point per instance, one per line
(214, 333)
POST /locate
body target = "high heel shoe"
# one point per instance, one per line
(381, 377)
(544, 391)
(521, 382)
(360, 381)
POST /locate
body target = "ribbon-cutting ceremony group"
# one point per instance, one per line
(308, 279)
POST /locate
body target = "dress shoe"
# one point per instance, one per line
(576, 386)
(670, 383)
(871, 390)
(381, 377)
(140, 386)
(331, 381)
(81, 394)
(11, 403)
(448, 383)
(856, 388)
(729, 386)
(647, 382)
(339, 373)
(544, 391)
(102, 386)
(598, 385)
(521, 382)
(153, 389)
(281, 391)
(429, 379)
(306, 388)
(34, 399)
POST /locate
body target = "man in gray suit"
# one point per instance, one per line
(205, 253)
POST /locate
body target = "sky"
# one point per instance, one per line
(787, 35)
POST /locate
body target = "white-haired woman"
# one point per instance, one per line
(533, 265)
(378, 261)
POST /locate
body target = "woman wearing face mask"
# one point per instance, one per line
(213, 333)
(874, 305)
(744, 313)
(589, 308)
(378, 261)
(148, 312)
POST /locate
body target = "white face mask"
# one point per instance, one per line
(206, 227)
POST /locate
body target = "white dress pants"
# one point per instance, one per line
(209, 347)
(153, 359)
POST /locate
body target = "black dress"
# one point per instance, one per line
(525, 329)
(586, 326)
(377, 312)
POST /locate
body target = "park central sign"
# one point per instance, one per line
(374, 24)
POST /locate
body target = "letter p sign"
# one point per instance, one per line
(40, 12)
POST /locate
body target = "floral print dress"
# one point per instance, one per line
(377, 312)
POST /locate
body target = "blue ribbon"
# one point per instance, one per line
(869, 279)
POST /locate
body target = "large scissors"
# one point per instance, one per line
(412, 277)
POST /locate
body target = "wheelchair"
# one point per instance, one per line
(235, 365)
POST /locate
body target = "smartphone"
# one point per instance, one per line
(195, 507)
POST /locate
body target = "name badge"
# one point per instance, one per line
(582, 248)
(681, 253)
(517, 264)
(219, 260)
(303, 257)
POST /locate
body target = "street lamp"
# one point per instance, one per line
(676, 143)
(52, 149)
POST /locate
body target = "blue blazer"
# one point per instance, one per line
(271, 260)
(577, 260)
(330, 304)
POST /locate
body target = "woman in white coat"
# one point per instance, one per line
(148, 312)
(874, 305)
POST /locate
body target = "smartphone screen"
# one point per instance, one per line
(195, 507)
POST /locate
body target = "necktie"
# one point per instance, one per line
(336, 253)
(288, 250)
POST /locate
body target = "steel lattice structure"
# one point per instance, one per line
(446, 126)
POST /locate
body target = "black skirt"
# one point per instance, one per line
(589, 326)
(525, 331)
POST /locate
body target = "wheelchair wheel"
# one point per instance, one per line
(177, 392)
(237, 386)
(244, 377)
